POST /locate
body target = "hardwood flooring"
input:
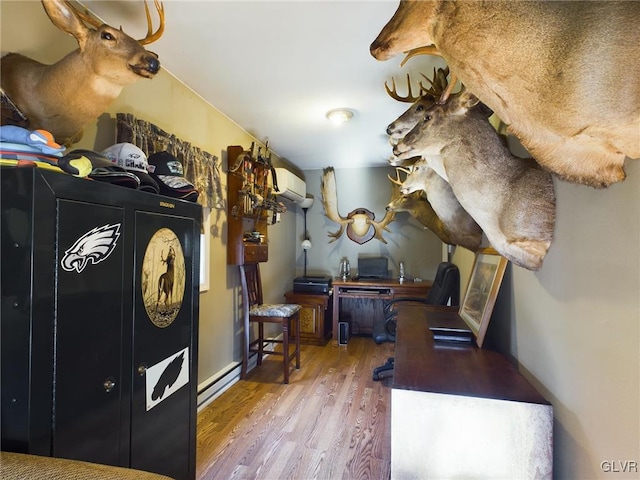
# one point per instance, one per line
(332, 421)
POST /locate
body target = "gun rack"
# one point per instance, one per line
(252, 205)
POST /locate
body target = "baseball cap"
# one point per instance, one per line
(167, 171)
(103, 169)
(132, 159)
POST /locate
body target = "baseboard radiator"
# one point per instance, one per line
(221, 381)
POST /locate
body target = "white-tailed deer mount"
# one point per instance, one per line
(570, 94)
(360, 223)
(62, 98)
(512, 199)
(419, 104)
(440, 211)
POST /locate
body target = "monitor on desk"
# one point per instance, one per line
(373, 268)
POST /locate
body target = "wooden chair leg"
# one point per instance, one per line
(285, 348)
(245, 352)
(260, 342)
(297, 320)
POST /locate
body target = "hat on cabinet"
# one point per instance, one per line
(132, 159)
(103, 169)
(167, 171)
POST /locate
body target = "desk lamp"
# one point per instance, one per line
(306, 243)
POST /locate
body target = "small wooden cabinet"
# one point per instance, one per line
(315, 316)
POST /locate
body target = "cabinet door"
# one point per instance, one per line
(315, 317)
(309, 315)
(164, 345)
(88, 333)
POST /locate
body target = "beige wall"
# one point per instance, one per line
(573, 326)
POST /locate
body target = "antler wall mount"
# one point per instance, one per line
(360, 223)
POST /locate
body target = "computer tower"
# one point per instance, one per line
(343, 333)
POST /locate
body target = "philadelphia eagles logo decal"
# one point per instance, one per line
(94, 246)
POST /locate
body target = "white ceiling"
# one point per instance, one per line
(276, 67)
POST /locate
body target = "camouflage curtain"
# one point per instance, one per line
(200, 168)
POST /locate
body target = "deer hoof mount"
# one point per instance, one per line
(360, 223)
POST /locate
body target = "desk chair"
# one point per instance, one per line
(253, 310)
(446, 285)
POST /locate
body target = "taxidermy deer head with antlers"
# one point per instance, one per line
(571, 95)
(62, 98)
(432, 202)
(360, 223)
(512, 199)
(440, 211)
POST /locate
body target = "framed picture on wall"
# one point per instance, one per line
(482, 290)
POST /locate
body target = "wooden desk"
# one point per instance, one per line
(368, 291)
(463, 412)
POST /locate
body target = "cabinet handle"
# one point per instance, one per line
(108, 385)
(142, 369)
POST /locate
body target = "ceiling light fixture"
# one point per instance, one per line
(340, 115)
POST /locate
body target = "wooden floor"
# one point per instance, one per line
(332, 421)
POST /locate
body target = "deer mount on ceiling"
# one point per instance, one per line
(359, 223)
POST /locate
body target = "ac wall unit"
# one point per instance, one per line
(290, 186)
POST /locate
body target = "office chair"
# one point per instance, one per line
(253, 310)
(446, 285)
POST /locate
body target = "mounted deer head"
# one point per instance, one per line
(428, 96)
(565, 105)
(440, 211)
(512, 199)
(62, 98)
(438, 91)
(360, 224)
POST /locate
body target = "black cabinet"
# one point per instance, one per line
(99, 322)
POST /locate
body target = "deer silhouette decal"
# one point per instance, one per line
(165, 282)
(163, 277)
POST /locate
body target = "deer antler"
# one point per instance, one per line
(437, 87)
(439, 83)
(330, 202)
(409, 98)
(432, 50)
(379, 227)
(428, 50)
(152, 37)
(396, 180)
(359, 222)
